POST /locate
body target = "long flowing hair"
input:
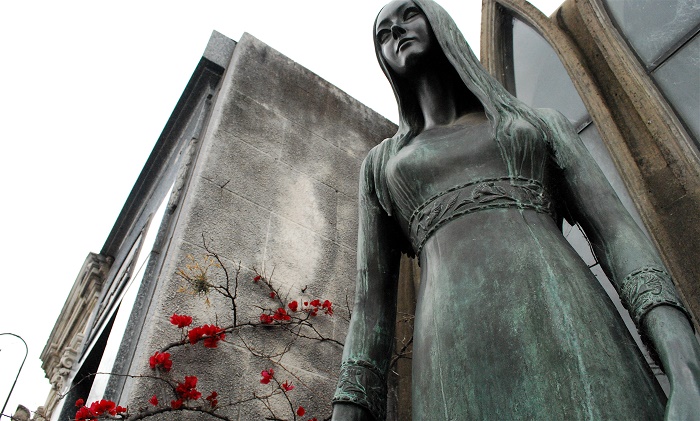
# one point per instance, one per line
(515, 125)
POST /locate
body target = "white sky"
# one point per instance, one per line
(86, 88)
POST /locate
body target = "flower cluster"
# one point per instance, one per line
(310, 307)
(160, 360)
(211, 334)
(180, 320)
(313, 307)
(96, 409)
(212, 398)
(186, 390)
(288, 387)
(279, 315)
(267, 375)
(266, 319)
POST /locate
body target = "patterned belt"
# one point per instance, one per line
(490, 193)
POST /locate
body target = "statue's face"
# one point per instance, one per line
(404, 36)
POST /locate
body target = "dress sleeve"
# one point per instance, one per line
(370, 338)
(626, 255)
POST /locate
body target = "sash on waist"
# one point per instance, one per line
(490, 193)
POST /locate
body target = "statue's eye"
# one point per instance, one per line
(383, 35)
(410, 13)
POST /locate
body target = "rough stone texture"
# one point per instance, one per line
(274, 187)
(219, 49)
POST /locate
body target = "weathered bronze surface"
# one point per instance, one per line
(510, 323)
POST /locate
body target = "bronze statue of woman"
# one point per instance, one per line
(510, 323)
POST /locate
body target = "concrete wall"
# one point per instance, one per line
(274, 187)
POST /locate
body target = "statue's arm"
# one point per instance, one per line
(361, 392)
(631, 262)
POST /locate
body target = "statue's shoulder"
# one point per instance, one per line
(552, 117)
(376, 158)
(380, 151)
(563, 138)
(372, 175)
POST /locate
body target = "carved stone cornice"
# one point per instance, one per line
(64, 344)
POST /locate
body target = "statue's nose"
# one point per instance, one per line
(397, 31)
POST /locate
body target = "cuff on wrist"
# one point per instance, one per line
(647, 288)
(362, 383)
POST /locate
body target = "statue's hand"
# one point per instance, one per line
(679, 352)
(350, 412)
(684, 401)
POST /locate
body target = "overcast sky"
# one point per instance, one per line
(85, 90)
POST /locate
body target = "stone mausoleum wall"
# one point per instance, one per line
(274, 187)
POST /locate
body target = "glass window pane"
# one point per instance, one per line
(653, 27)
(541, 81)
(679, 79)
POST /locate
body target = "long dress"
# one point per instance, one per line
(510, 323)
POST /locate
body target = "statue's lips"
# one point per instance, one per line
(403, 42)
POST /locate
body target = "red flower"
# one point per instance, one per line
(97, 409)
(267, 376)
(160, 360)
(306, 303)
(257, 278)
(294, 306)
(84, 413)
(176, 404)
(272, 294)
(154, 400)
(328, 307)
(180, 320)
(287, 387)
(102, 406)
(301, 411)
(281, 314)
(212, 399)
(315, 304)
(188, 389)
(212, 334)
(80, 402)
(313, 419)
(266, 319)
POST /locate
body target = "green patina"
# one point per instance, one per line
(510, 323)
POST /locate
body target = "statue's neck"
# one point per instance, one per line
(436, 100)
(443, 98)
